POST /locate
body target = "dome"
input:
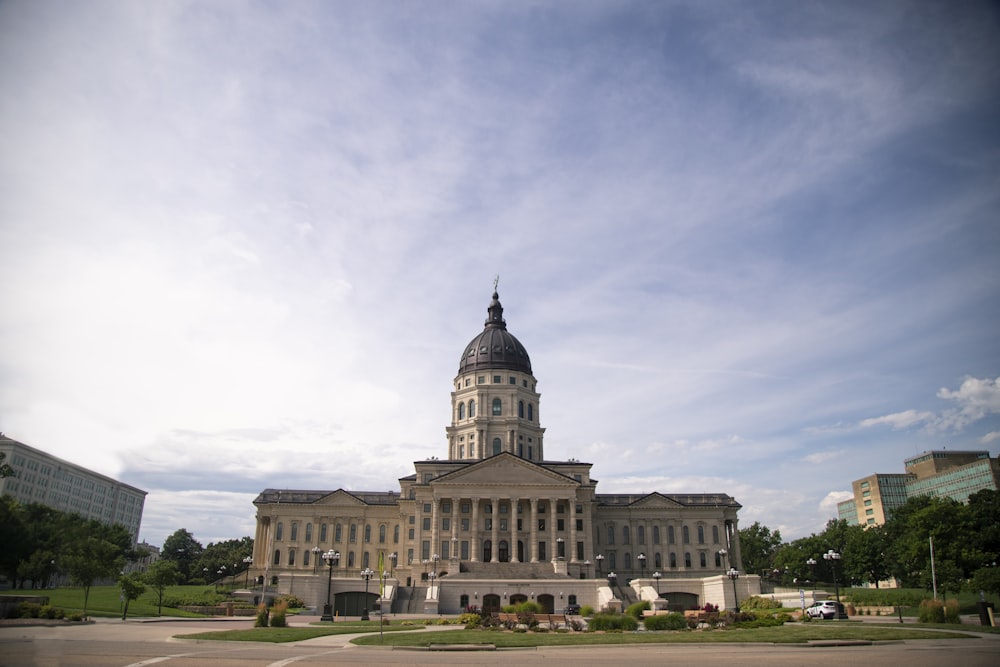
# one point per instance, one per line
(495, 347)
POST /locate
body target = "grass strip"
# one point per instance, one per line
(789, 634)
(282, 635)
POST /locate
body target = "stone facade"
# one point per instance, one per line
(495, 523)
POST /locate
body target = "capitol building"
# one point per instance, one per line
(494, 522)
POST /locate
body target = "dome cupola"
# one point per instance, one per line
(495, 347)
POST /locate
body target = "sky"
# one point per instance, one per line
(751, 248)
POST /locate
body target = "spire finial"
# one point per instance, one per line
(496, 281)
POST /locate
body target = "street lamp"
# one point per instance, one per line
(435, 558)
(723, 554)
(560, 547)
(392, 562)
(812, 570)
(734, 575)
(600, 559)
(248, 561)
(332, 558)
(366, 574)
(833, 557)
(657, 575)
(316, 551)
(642, 565)
(612, 578)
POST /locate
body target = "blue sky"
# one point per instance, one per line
(751, 248)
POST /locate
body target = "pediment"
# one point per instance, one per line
(656, 500)
(340, 498)
(503, 470)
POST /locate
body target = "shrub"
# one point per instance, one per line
(541, 628)
(672, 621)
(635, 610)
(76, 618)
(613, 622)
(586, 610)
(951, 612)
(28, 610)
(931, 611)
(278, 613)
(765, 622)
(758, 602)
(468, 618)
(291, 601)
(262, 615)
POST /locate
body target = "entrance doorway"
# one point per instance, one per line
(491, 604)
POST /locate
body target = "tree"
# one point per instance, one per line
(228, 554)
(90, 559)
(758, 546)
(5, 469)
(864, 558)
(910, 529)
(183, 550)
(987, 579)
(132, 587)
(161, 574)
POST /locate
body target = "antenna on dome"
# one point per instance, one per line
(496, 280)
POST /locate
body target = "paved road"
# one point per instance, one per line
(137, 644)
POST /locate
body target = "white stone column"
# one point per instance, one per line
(495, 532)
(552, 530)
(513, 530)
(571, 547)
(476, 544)
(435, 503)
(533, 530)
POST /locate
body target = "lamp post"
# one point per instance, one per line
(600, 559)
(656, 576)
(434, 559)
(833, 557)
(316, 551)
(366, 574)
(392, 562)
(734, 575)
(331, 557)
(431, 577)
(248, 561)
(612, 578)
(723, 555)
(812, 570)
(642, 565)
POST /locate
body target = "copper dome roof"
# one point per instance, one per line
(495, 347)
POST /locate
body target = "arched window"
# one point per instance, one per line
(278, 532)
(338, 533)
(497, 407)
(627, 561)
(656, 534)
(291, 556)
(395, 534)
(718, 559)
(381, 534)
(322, 532)
(625, 535)
(520, 409)
(611, 534)
(701, 534)
(715, 534)
(295, 532)
(702, 561)
(670, 534)
(673, 559)
(305, 558)
(472, 408)
(277, 556)
(309, 533)
(364, 559)
(611, 561)
(497, 446)
(461, 410)
(354, 533)
(368, 534)
(531, 412)
(687, 560)
(687, 535)
(640, 533)
(657, 561)
(350, 559)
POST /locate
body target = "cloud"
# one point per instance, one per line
(900, 420)
(822, 457)
(992, 436)
(976, 398)
(830, 500)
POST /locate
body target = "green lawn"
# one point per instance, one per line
(105, 600)
(281, 635)
(787, 634)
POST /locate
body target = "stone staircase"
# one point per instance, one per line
(470, 570)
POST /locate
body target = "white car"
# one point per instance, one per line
(826, 609)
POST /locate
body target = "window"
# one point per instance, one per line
(520, 409)
(322, 533)
(489, 524)
(277, 556)
(718, 559)
(640, 533)
(446, 524)
(354, 533)
(625, 535)
(368, 533)
(291, 556)
(612, 561)
(701, 534)
(426, 525)
(364, 559)
(715, 534)
(338, 534)
(687, 560)
(278, 532)
(611, 534)
(531, 412)
(481, 379)
(497, 407)
(868, 503)
(497, 446)
(410, 533)
(702, 559)
(381, 534)
(503, 525)
(465, 508)
(465, 525)
(395, 533)
(656, 534)
(504, 508)
(461, 451)
(657, 561)
(560, 525)
(472, 408)
(295, 531)
(686, 534)
(579, 524)
(350, 559)
(673, 559)
(309, 532)
(497, 379)
(305, 557)
(541, 524)
(461, 410)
